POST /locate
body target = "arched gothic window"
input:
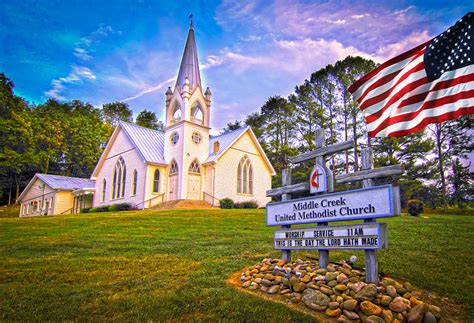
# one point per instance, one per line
(194, 167)
(120, 175)
(156, 181)
(134, 182)
(104, 187)
(245, 176)
(176, 115)
(197, 115)
(174, 168)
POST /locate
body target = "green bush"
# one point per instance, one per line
(92, 210)
(226, 203)
(120, 207)
(246, 205)
(415, 207)
(85, 210)
(104, 208)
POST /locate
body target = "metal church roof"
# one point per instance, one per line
(189, 62)
(65, 182)
(225, 140)
(149, 142)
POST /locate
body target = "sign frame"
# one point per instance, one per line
(381, 234)
(393, 206)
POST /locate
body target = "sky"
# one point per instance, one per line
(105, 51)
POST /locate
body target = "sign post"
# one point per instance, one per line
(286, 180)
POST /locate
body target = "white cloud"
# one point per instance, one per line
(83, 47)
(77, 75)
(411, 41)
(404, 11)
(150, 89)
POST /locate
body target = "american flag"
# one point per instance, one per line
(431, 83)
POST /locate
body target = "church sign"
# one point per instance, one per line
(348, 237)
(365, 203)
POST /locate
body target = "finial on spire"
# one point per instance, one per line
(191, 20)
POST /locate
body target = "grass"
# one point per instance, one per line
(9, 211)
(172, 265)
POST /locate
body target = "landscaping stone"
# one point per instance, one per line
(299, 287)
(417, 313)
(315, 300)
(266, 282)
(333, 305)
(429, 318)
(326, 290)
(339, 292)
(385, 300)
(341, 287)
(351, 315)
(350, 304)
(333, 313)
(370, 308)
(387, 315)
(342, 278)
(367, 293)
(391, 291)
(399, 304)
(375, 319)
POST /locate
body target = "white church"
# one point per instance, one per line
(145, 167)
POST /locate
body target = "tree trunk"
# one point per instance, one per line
(345, 133)
(441, 166)
(17, 183)
(354, 131)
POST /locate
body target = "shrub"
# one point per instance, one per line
(415, 207)
(120, 207)
(85, 210)
(104, 208)
(226, 203)
(246, 205)
(92, 210)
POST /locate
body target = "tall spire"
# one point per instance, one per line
(189, 67)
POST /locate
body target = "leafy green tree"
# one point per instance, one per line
(453, 139)
(231, 126)
(148, 119)
(17, 150)
(461, 180)
(115, 111)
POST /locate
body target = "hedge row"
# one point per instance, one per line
(228, 203)
(106, 208)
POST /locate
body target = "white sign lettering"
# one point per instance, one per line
(372, 202)
(354, 237)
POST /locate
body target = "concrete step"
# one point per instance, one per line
(183, 205)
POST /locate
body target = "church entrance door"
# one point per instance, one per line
(194, 187)
(173, 193)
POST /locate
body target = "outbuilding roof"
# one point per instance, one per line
(65, 182)
(57, 182)
(150, 143)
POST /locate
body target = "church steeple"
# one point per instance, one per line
(189, 67)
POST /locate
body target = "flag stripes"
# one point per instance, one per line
(433, 82)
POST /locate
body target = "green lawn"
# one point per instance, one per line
(172, 265)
